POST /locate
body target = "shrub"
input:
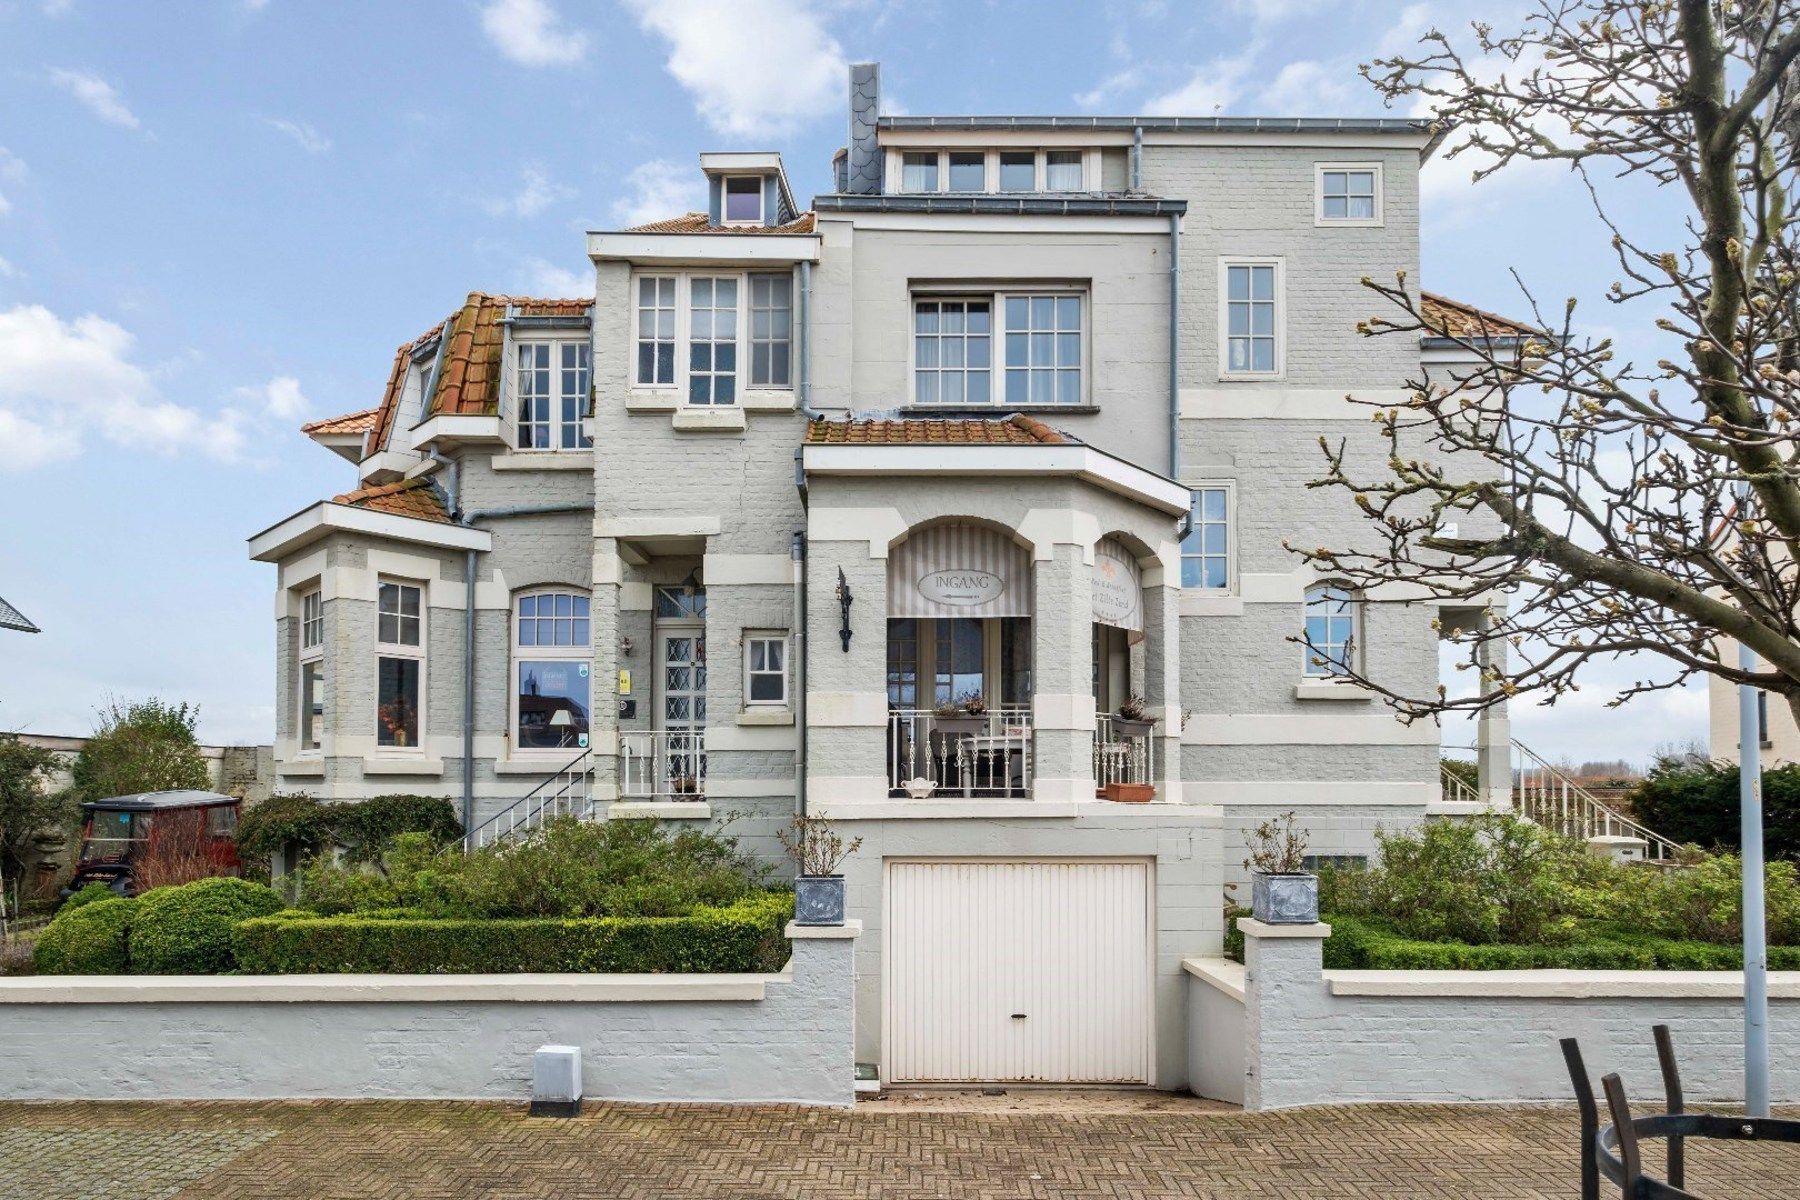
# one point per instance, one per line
(745, 936)
(1704, 902)
(28, 804)
(91, 939)
(147, 746)
(87, 895)
(1691, 800)
(187, 930)
(268, 826)
(181, 851)
(365, 828)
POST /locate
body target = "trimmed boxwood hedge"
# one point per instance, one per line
(746, 936)
(1357, 944)
(87, 939)
(187, 930)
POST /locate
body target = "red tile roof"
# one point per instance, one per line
(699, 222)
(1015, 430)
(468, 380)
(1453, 318)
(356, 422)
(409, 498)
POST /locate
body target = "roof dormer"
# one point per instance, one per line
(745, 188)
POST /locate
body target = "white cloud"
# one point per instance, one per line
(8, 271)
(97, 95)
(531, 33)
(547, 279)
(756, 68)
(1307, 89)
(1271, 12)
(308, 138)
(537, 192)
(12, 170)
(281, 398)
(657, 190)
(1211, 89)
(61, 381)
(1103, 92)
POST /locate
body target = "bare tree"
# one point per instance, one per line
(1594, 501)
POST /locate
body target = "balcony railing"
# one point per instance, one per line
(946, 756)
(1124, 752)
(662, 764)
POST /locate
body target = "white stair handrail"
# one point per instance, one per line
(1547, 795)
(567, 792)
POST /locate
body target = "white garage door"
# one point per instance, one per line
(1017, 971)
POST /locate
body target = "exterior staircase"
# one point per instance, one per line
(568, 793)
(1547, 796)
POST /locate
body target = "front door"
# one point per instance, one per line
(682, 655)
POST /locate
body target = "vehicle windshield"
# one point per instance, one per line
(112, 834)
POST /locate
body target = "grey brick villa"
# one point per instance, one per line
(882, 509)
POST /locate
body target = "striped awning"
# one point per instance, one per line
(959, 571)
(1118, 587)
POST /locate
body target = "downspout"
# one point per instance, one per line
(800, 646)
(467, 520)
(1175, 347)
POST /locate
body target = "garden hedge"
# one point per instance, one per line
(87, 939)
(1363, 945)
(742, 937)
(187, 930)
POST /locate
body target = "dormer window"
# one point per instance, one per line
(743, 200)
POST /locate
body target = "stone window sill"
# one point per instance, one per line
(766, 716)
(544, 460)
(662, 810)
(1320, 689)
(301, 766)
(720, 419)
(420, 766)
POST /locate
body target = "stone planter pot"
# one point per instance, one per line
(1129, 793)
(959, 726)
(819, 900)
(1285, 899)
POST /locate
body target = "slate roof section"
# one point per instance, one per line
(699, 222)
(12, 618)
(1453, 318)
(356, 422)
(414, 498)
(1014, 430)
(468, 381)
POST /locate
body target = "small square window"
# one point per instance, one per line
(1062, 170)
(743, 199)
(1349, 194)
(919, 172)
(765, 669)
(1018, 171)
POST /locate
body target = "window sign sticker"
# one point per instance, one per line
(582, 741)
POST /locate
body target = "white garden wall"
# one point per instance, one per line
(1280, 1031)
(783, 1038)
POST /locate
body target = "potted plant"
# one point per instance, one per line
(1282, 890)
(967, 714)
(817, 850)
(1133, 719)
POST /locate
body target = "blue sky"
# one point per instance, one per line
(218, 217)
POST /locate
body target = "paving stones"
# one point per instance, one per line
(371, 1151)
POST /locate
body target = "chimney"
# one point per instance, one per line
(864, 165)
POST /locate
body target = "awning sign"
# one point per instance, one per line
(1118, 588)
(964, 588)
(959, 570)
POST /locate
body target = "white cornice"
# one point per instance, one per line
(712, 248)
(347, 446)
(325, 518)
(1085, 462)
(459, 429)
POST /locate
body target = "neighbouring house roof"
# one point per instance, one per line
(699, 222)
(356, 422)
(1014, 430)
(12, 618)
(408, 498)
(1453, 318)
(468, 379)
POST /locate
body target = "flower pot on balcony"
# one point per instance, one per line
(1126, 730)
(1284, 899)
(1129, 793)
(961, 726)
(920, 788)
(819, 900)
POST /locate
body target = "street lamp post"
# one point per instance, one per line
(1750, 857)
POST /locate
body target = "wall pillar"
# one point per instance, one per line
(1062, 674)
(1283, 987)
(1162, 676)
(1493, 731)
(603, 630)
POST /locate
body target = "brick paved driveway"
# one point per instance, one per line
(369, 1151)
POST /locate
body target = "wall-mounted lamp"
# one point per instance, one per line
(625, 647)
(844, 600)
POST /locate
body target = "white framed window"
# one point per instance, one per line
(1206, 551)
(552, 695)
(1063, 170)
(399, 664)
(312, 621)
(765, 669)
(550, 393)
(771, 330)
(311, 698)
(1347, 193)
(1250, 317)
(656, 330)
(1020, 169)
(919, 171)
(1331, 644)
(1042, 349)
(965, 171)
(743, 200)
(712, 366)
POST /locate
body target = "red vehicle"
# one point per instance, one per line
(117, 835)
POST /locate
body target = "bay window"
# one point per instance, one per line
(399, 664)
(552, 671)
(695, 333)
(550, 394)
(1042, 351)
(312, 673)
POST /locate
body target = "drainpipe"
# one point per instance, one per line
(1175, 347)
(467, 520)
(798, 552)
